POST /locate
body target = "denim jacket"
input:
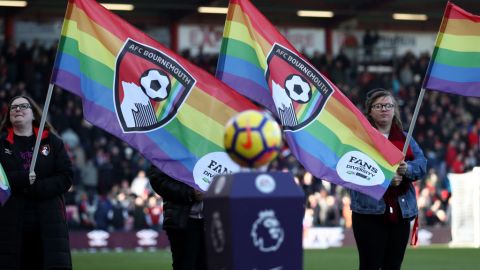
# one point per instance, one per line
(416, 169)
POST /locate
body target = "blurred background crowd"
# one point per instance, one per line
(111, 191)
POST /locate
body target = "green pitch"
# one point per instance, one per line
(434, 258)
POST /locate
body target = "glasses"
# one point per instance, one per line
(386, 106)
(21, 107)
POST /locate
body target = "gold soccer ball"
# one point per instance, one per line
(252, 138)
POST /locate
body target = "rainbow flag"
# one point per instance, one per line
(4, 187)
(134, 88)
(324, 130)
(455, 63)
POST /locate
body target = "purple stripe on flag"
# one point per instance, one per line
(4, 195)
(250, 89)
(471, 89)
(67, 81)
(319, 170)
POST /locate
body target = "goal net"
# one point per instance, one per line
(465, 205)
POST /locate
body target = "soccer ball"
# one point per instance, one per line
(252, 138)
(156, 84)
(298, 89)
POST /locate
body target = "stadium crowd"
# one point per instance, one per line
(111, 191)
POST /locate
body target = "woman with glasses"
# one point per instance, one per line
(33, 228)
(381, 228)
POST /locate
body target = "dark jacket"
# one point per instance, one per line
(178, 198)
(53, 178)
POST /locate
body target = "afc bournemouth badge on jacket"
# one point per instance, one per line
(150, 87)
(45, 149)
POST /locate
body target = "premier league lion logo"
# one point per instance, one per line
(150, 87)
(299, 91)
(267, 232)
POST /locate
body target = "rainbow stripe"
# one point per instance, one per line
(455, 63)
(4, 187)
(337, 130)
(91, 41)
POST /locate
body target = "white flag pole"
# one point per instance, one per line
(414, 120)
(41, 128)
(45, 110)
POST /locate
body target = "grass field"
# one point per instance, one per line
(424, 258)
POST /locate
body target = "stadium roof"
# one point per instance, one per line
(355, 13)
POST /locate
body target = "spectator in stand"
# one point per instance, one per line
(33, 226)
(103, 213)
(332, 217)
(312, 203)
(474, 137)
(183, 220)
(471, 159)
(139, 185)
(119, 212)
(310, 184)
(457, 165)
(154, 213)
(382, 227)
(86, 211)
(346, 212)
(322, 202)
(139, 214)
(406, 74)
(89, 177)
(424, 204)
(370, 40)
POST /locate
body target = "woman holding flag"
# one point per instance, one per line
(381, 228)
(33, 228)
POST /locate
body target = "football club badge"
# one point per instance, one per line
(150, 87)
(299, 91)
(45, 149)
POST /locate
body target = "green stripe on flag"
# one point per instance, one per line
(241, 50)
(174, 91)
(90, 67)
(3, 179)
(304, 115)
(459, 59)
(191, 140)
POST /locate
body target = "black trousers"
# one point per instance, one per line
(31, 257)
(380, 244)
(188, 246)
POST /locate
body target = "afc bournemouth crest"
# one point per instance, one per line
(150, 87)
(298, 90)
(45, 149)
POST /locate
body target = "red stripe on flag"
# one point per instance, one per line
(453, 11)
(261, 24)
(106, 19)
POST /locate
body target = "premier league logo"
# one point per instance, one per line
(298, 90)
(150, 87)
(267, 232)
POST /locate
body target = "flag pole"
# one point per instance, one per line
(40, 129)
(414, 120)
(46, 105)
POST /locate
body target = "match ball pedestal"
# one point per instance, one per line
(253, 220)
